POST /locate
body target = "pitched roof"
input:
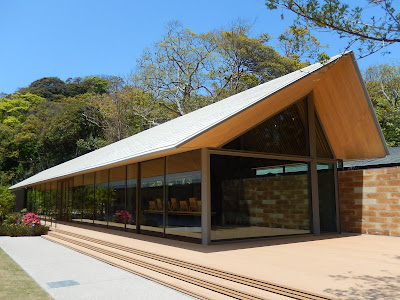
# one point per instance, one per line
(177, 133)
(393, 158)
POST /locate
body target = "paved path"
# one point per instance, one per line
(67, 274)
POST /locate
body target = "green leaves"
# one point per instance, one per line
(372, 26)
(383, 85)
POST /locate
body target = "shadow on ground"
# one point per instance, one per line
(368, 287)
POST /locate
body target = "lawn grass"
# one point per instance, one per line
(15, 283)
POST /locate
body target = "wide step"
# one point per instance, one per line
(199, 281)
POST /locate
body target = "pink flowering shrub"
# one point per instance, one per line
(30, 219)
(122, 216)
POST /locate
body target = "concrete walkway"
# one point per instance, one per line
(66, 274)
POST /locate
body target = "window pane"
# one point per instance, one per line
(255, 197)
(184, 194)
(152, 185)
(131, 196)
(118, 216)
(327, 201)
(88, 198)
(283, 133)
(101, 198)
(322, 145)
(78, 196)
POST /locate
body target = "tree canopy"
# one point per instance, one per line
(372, 25)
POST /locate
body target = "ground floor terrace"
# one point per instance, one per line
(336, 266)
(203, 195)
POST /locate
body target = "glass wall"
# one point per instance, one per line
(131, 184)
(152, 195)
(118, 215)
(250, 197)
(257, 197)
(183, 182)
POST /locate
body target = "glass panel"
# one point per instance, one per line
(77, 199)
(65, 199)
(327, 201)
(42, 202)
(322, 145)
(53, 200)
(59, 200)
(47, 201)
(152, 185)
(255, 197)
(184, 194)
(31, 200)
(131, 196)
(118, 215)
(283, 133)
(101, 197)
(88, 198)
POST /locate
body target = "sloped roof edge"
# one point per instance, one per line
(371, 107)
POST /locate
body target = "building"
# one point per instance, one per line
(260, 163)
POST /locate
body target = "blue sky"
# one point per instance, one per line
(74, 38)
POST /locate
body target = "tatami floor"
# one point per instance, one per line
(345, 266)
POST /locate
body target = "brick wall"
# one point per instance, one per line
(370, 201)
(278, 202)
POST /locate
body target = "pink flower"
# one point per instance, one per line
(30, 219)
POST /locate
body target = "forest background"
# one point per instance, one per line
(55, 118)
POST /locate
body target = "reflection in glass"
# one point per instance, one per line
(152, 194)
(183, 182)
(131, 196)
(52, 201)
(326, 193)
(66, 200)
(42, 202)
(321, 142)
(255, 197)
(101, 197)
(117, 216)
(31, 200)
(78, 195)
(283, 133)
(88, 198)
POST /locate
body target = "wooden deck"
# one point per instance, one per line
(283, 268)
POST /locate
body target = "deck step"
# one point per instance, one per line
(199, 281)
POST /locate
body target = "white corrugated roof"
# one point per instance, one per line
(172, 134)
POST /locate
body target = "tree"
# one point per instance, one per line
(6, 201)
(383, 85)
(177, 67)
(17, 143)
(247, 62)
(63, 125)
(90, 84)
(373, 26)
(51, 88)
(298, 43)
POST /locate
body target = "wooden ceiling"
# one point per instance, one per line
(343, 107)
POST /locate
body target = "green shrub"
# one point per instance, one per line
(23, 230)
(6, 201)
(13, 218)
